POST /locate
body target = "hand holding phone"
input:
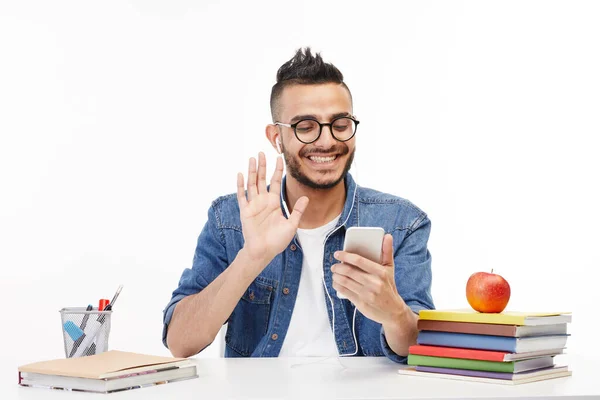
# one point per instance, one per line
(367, 242)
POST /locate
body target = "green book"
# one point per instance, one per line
(481, 365)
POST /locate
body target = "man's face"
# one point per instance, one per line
(307, 163)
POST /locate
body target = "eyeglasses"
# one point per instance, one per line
(309, 130)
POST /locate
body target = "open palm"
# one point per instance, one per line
(266, 230)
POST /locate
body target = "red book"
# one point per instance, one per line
(471, 354)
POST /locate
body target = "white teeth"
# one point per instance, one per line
(322, 159)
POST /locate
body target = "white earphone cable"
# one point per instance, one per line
(323, 273)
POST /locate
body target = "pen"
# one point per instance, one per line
(109, 306)
(100, 344)
(82, 326)
(102, 304)
(86, 317)
(97, 325)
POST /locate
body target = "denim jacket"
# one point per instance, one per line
(259, 322)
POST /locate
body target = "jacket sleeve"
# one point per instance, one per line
(412, 268)
(210, 259)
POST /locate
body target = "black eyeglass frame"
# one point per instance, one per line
(321, 125)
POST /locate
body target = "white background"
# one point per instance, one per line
(121, 121)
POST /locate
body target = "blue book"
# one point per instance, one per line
(489, 342)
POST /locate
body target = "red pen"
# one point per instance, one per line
(102, 304)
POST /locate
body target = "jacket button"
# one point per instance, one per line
(286, 291)
(293, 247)
(274, 336)
(251, 296)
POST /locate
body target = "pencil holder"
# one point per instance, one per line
(85, 333)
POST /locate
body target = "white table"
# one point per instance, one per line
(359, 378)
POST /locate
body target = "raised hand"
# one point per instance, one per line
(266, 230)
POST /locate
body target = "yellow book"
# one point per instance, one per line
(503, 318)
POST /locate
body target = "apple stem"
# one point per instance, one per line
(492, 270)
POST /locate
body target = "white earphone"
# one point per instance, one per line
(278, 145)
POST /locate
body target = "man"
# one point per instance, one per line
(275, 279)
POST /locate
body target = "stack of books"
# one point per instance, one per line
(506, 348)
(107, 372)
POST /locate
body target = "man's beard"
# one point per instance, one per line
(293, 167)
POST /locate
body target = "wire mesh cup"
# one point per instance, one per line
(85, 333)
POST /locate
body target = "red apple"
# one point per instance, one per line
(487, 292)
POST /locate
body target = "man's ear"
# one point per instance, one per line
(273, 136)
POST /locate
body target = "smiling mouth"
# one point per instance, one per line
(323, 159)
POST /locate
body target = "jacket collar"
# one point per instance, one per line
(349, 215)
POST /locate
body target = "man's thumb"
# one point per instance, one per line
(299, 208)
(387, 250)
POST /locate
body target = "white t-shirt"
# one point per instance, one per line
(309, 333)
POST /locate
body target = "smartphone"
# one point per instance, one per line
(364, 241)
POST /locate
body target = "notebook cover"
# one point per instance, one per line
(505, 317)
(490, 374)
(467, 327)
(456, 352)
(474, 354)
(467, 340)
(96, 366)
(411, 371)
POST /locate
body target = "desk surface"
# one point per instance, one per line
(345, 378)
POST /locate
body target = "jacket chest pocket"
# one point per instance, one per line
(249, 320)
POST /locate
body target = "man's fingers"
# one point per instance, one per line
(365, 264)
(347, 293)
(262, 173)
(252, 189)
(241, 193)
(299, 208)
(276, 178)
(387, 250)
(349, 283)
(354, 273)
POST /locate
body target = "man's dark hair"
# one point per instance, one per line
(303, 69)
